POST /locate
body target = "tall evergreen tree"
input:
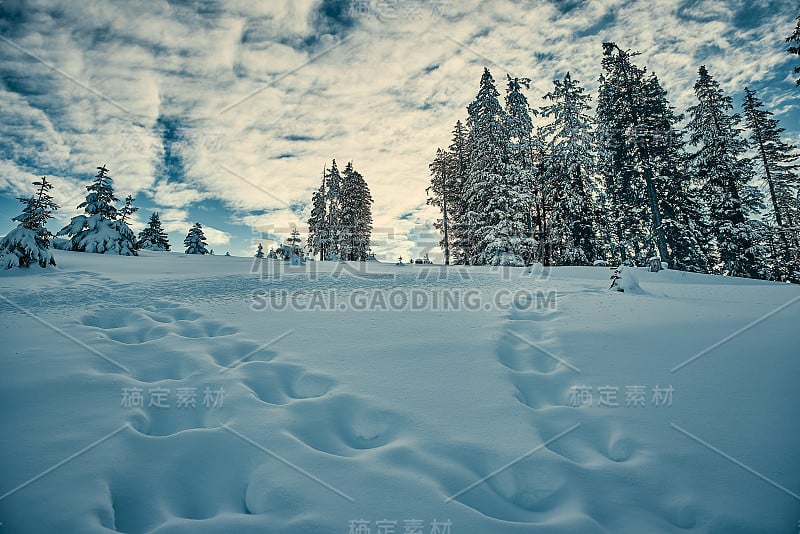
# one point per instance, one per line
(29, 242)
(260, 252)
(443, 193)
(494, 216)
(333, 211)
(777, 162)
(721, 163)
(195, 240)
(681, 210)
(625, 157)
(568, 175)
(153, 236)
(456, 173)
(99, 230)
(318, 231)
(795, 48)
(356, 215)
(521, 173)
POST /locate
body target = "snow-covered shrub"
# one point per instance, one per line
(625, 279)
(22, 247)
(100, 235)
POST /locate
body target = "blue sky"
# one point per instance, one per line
(225, 112)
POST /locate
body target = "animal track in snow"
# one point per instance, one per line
(136, 326)
(539, 392)
(280, 383)
(344, 425)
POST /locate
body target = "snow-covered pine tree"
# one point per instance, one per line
(153, 236)
(348, 202)
(294, 242)
(195, 240)
(795, 48)
(621, 181)
(606, 242)
(29, 242)
(721, 163)
(128, 209)
(333, 210)
(318, 233)
(494, 216)
(521, 173)
(356, 215)
(778, 163)
(457, 172)
(682, 214)
(260, 252)
(99, 230)
(567, 176)
(624, 157)
(443, 193)
(127, 237)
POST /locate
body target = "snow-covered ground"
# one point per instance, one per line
(402, 399)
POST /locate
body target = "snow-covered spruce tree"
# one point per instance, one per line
(457, 172)
(128, 209)
(318, 233)
(795, 48)
(195, 240)
(778, 163)
(291, 250)
(29, 242)
(127, 235)
(356, 215)
(333, 211)
(682, 213)
(443, 193)
(494, 216)
(621, 180)
(568, 174)
(625, 159)
(721, 164)
(521, 173)
(260, 252)
(153, 236)
(293, 241)
(99, 230)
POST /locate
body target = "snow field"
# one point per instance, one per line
(334, 417)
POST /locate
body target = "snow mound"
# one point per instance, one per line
(626, 280)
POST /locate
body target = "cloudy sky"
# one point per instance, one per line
(225, 112)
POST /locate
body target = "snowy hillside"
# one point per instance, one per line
(179, 393)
